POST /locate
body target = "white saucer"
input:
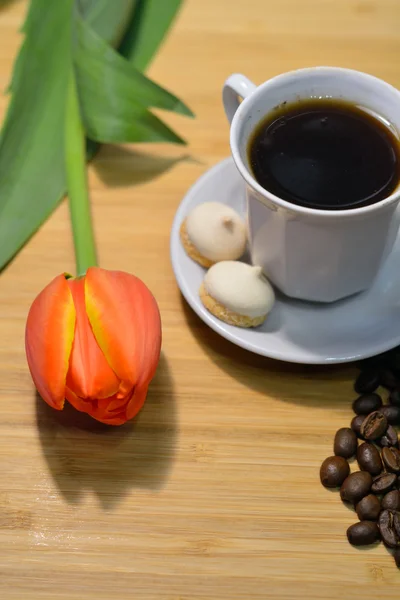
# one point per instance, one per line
(301, 332)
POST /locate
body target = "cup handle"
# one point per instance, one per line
(236, 88)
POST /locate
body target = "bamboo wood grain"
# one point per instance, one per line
(213, 493)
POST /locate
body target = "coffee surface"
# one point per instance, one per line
(325, 154)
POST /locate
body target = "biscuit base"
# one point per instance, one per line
(225, 314)
(191, 250)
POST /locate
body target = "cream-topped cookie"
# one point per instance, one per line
(237, 293)
(213, 232)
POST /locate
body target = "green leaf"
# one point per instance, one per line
(114, 96)
(32, 22)
(32, 169)
(107, 20)
(149, 25)
(97, 62)
(32, 179)
(102, 126)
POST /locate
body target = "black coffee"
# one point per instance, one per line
(325, 154)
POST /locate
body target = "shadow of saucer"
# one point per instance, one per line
(272, 377)
(118, 166)
(85, 455)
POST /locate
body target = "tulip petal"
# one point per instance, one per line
(126, 323)
(136, 402)
(113, 404)
(126, 408)
(86, 406)
(89, 375)
(92, 408)
(48, 340)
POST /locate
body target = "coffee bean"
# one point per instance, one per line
(388, 528)
(392, 413)
(367, 382)
(390, 438)
(369, 459)
(391, 459)
(334, 471)
(369, 508)
(363, 533)
(374, 426)
(356, 425)
(388, 379)
(396, 521)
(345, 443)
(396, 556)
(394, 397)
(367, 403)
(391, 501)
(356, 486)
(382, 483)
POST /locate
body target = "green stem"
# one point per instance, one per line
(79, 204)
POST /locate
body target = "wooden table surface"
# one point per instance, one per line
(213, 492)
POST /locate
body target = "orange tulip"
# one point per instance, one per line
(95, 341)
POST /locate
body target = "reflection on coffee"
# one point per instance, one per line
(325, 154)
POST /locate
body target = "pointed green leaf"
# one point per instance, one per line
(32, 177)
(97, 63)
(106, 19)
(150, 23)
(31, 22)
(114, 96)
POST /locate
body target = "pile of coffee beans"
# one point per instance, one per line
(374, 490)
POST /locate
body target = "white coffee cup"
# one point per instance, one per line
(318, 255)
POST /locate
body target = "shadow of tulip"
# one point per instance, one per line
(118, 166)
(272, 377)
(84, 455)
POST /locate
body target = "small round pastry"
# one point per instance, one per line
(237, 293)
(213, 232)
